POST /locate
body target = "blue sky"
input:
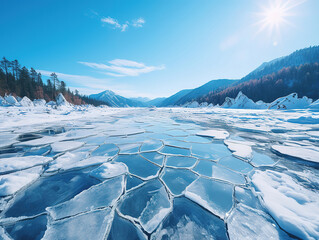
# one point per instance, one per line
(152, 48)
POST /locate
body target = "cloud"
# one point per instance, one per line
(89, 85)
(137, 23)
(111, 21)
(123, 68)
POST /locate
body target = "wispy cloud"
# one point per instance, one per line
(137, 23)
(90, 85)
(123, 67)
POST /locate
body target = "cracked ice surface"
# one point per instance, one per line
(107, 173)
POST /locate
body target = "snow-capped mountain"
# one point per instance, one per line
(115, 100)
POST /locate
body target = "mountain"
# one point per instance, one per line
(297, 72)
(205, 89)
(170, 101)
(141, 99)
(299, 57)
(115, 100)
(303, 80)
(155, 102)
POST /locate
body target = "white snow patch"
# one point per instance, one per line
(217, 134)
(295, 208)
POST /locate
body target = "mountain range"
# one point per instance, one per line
(297, 72)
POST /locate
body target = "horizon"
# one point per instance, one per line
(132, 50)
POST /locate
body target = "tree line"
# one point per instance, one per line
(302, 79)
(20, 81)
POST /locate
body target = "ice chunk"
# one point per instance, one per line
(217, 134)
(236, 164)
(211, 151)
(177, 143)
(101, 195)
(48, 191)
(26, 102)
(91, 225)
(204, 167)
(139, 166)
(151, 145)
(175, 151)
(216, 197)
(39, 102)
(65, 146)
(149, 204)
(129, 148)
(154, 157)
(178, 179)
(180, 161)
(239, 148)
(74, 161)
(222, 173)
(4, 235)
(109, 150)
(132, 182)
(247, 223)
(190, 221)
(308, 154)
(245, 196)
(13, 182)
(123, 229)
(11, 100)
(261, 160)
(19, 163)
(33, 228)
(109, 170)
(61, 101)
(295, 208)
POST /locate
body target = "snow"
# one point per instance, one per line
(217, 134)
(308, 154)
(109, 170)
(290, 102)
(240, 148)
(295, 208)
(126, 173)
(19, 163)
(13, 182)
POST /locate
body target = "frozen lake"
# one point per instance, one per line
(140, 173)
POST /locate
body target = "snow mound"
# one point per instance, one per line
(61, 101)
(290, 102)
(26, 102)
(294, 207)
(39, 102)
(11, 99)
(243, 102)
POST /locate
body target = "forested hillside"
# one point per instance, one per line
(20, 81)
(303, 79)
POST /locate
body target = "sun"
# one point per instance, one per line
(276, 15)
